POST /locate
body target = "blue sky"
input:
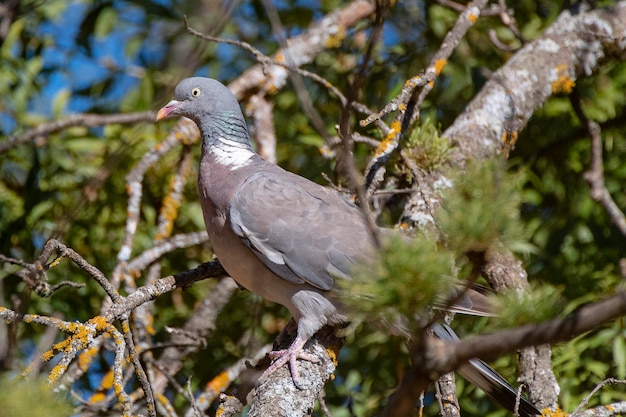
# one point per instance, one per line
(69, 66)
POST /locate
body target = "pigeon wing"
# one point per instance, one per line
(301, 231)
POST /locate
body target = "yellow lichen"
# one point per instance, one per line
(125, 327)
(326, 151)
(162, 399)
(86, 357)
(47, 355)
(334, 40)
(55, 262)
(333, 355)
(564, 83)
(270, 88)
(56, 373)
(169, 211)
(439, 64)
(402, 107)
(546, 412)
(149, 326)
(100, 322)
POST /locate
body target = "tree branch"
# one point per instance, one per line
(436, 357)
(84, 119)
(164, 285)
(576, 44)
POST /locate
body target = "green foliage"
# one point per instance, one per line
(481, 209)
(517, 308)
(426, 147)
(70, 185)
(32, 398)
(400, 286)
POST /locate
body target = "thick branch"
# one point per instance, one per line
(489, 346)
(437, 357)
(575, 45)
(150, 292)
(279, 396)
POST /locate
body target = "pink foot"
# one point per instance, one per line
(290, 355)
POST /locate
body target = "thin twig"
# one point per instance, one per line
(83, 119)
(192, 399)
(266, 61)
(139, 371)
(413, 94)
(598, 387)
(595, 175)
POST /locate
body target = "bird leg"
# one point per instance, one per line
(290, 355)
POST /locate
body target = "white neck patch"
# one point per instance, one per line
(231, 154)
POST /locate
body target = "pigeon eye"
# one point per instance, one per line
(196, 92)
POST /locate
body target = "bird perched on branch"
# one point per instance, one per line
(277, 234)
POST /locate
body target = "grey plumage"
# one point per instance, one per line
(277, 234)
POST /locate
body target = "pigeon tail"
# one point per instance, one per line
(480, 374)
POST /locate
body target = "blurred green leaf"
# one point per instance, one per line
(32, 398)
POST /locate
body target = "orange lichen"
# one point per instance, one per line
(439, 64)
(218, 383)
(107, 381)
(546, 412)
(97, 397)
(431, 84)
(472, 17)
(402, 107)
(388, 142)
(280, 57)
(270, 88)
(564, 83)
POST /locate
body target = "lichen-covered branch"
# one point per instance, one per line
(574, 46)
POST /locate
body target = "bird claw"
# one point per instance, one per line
(290, 356)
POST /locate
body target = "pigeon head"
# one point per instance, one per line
(198, 98)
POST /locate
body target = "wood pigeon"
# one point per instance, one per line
(276, 233)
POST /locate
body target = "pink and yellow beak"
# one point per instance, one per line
(167, 109)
